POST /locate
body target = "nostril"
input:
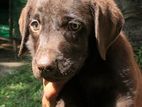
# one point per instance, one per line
(50, 68)
(41, 67)
(46, 70)
(43, 61)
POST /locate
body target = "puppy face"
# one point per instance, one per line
(58, 37)
(57, 33)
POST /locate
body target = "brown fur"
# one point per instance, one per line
(80, 52)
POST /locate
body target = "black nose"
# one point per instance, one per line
(47, 70)
(46, 66)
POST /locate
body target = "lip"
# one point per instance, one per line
(57, 77)
(54, 78)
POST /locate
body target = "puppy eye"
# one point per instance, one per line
(35, 25)
(74, 26)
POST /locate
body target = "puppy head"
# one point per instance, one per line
(57, 32)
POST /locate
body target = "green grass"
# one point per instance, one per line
(20, 89)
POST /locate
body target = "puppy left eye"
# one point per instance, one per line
(35, 25)
(74, 26)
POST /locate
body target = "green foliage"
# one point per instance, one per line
(139, 55)
(4, 31)
(20, 89)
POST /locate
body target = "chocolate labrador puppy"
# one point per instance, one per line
(80, 52)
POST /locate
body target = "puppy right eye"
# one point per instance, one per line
(35, 25)
(74, 26)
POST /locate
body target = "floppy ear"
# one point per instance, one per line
(23, 27)
(108, 23)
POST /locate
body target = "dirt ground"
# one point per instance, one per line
(8, 58)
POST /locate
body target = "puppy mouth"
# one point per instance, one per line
(56, 75)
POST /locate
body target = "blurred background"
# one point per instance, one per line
(18, 87)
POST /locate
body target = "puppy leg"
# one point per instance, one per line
(51, 90)
(47, 103)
